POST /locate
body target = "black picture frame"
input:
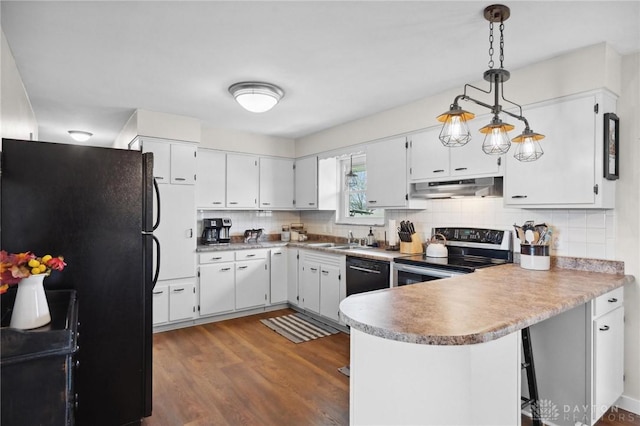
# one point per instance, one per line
(611, 144)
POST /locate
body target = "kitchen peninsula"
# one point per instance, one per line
(448, 351)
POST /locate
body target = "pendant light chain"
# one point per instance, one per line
(490, 45)
(501, 45)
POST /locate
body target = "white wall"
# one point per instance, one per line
(628, 215)
(253, 143)
(17, 119)
(586, 69)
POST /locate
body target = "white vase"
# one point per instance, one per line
(30, 310)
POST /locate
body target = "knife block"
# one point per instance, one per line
(413, 247)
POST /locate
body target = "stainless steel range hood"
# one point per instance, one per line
(475, 187)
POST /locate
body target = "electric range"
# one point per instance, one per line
(468, 249)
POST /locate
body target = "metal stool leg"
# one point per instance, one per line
(533, 400)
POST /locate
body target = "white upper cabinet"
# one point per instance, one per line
(432, 161)
(212, 175)
(276, 183)
(306, 183)
(387, 173)
(183, 164)
(429, 159)
(242, 181)
(173, 162)
(570, 172)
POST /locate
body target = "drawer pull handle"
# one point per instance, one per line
(250, 255)
(325, 272)
(314, 269)
(439, 171)
(242, 267)
(266, 204)
(178, 290)
(518, 196)
(217, 202)
(612, 300)
(180, 179)
(233, 202)
(373, 201)
(225, 269)
(158, 177)
(216, 258)
(459, 169)
(604, 328)
(277, 252)
(312, 204)
(158, 292)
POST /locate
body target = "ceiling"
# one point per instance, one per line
(89, 64)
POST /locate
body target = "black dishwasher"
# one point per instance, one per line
(366, 275)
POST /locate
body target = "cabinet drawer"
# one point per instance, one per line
(608, 302)
(216, 256)
(251, 254)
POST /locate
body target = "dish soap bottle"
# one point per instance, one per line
(370, 237)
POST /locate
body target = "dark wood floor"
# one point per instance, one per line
(239, 372)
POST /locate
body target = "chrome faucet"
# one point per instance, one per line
(350, 239)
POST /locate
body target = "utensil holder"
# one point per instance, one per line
(413, 247)
(535, 257)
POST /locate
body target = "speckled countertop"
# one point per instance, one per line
(474, 308)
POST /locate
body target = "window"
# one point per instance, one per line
(353, 201)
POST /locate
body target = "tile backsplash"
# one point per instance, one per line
(580, 233)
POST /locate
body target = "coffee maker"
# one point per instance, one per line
(215, 231)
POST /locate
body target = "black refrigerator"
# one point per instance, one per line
(94, 206)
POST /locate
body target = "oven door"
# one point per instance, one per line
(409, 274)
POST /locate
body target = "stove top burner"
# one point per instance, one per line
(469, 249)
(462, 263)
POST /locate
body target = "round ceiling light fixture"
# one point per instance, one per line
(80, 136)
(255, 96)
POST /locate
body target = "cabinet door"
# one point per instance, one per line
(429, 159)
(565, 174)
(292, 276)
(387, 173)
(181, 302)
(306, 183)
(242, 181)
(183, 164)
(330, 291)
(217, 288)
(252, 279)
(211, 179)
(160, 304)
(470, 159)
(279, 273)
(161, 159)
(176, 231)
(608, 363)
(310, 283)
(276, 183)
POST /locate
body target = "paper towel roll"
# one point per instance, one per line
(392, 233)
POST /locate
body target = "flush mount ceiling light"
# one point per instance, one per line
(256, 97)
(80, 136)
(455, 131)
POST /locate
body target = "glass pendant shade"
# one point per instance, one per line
(528, 148)
(455, 131)
(496, 139)
(256, 97)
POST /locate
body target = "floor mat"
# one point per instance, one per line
(298, 328)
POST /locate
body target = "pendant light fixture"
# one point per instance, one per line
(455, 131)
(255, 96)
(350, 179)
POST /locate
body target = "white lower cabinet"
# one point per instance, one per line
(321, 288)
(292, 276)
(174, 301)
(330, 291)
(182, 301)
(252, 278)
(217, 288)
(587, 339)
(278, 277)
(160, 304)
